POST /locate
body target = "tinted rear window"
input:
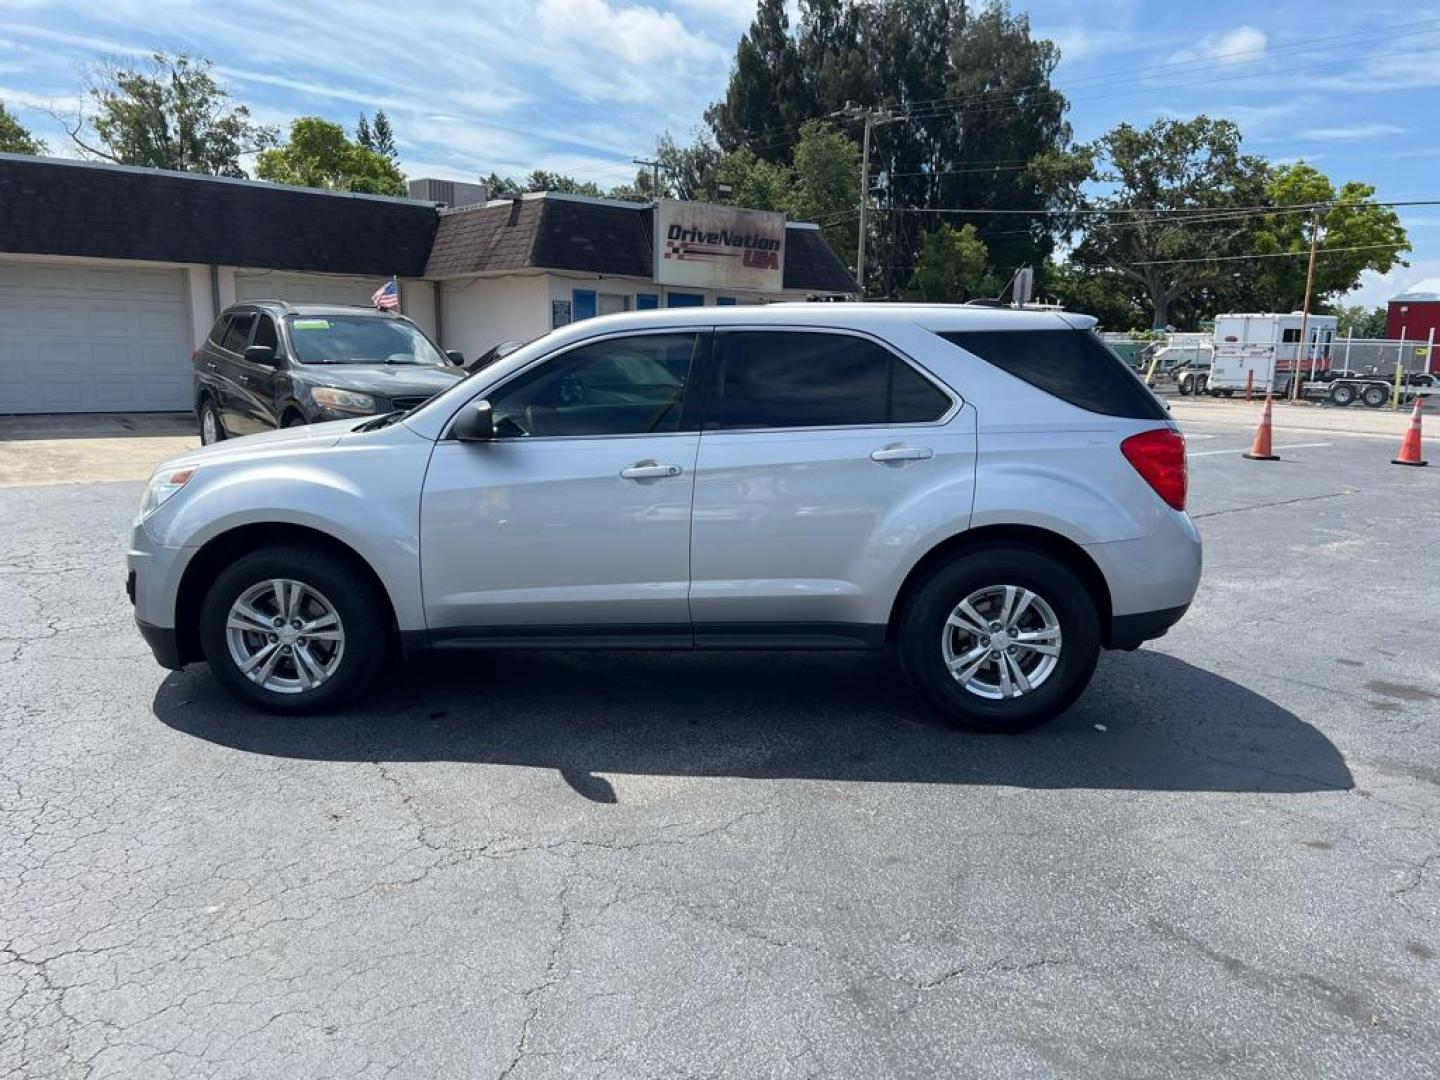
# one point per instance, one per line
(789, 379)
(1073, 365)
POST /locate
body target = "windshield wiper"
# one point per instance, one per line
(384, 420)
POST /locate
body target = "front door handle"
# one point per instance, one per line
(902, 453)
(649, 470)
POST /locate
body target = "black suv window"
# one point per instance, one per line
(786, 379)
(265, 332)
(217, 332)
(623, 386)
(237, 335)
(1073, 365)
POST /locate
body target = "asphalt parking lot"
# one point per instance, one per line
(1224, 860)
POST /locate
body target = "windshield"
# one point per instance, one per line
(360, 339)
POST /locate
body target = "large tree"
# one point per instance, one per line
(1176, 206)
(969, 114)
(319, 155)
(1355, 236)
(169, 114)
(14, 139)
(768, 95)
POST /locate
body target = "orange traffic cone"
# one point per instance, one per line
(1410, 448)
(1261, 450)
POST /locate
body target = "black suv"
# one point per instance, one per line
(269, 364)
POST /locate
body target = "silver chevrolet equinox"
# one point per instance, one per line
(990, 494)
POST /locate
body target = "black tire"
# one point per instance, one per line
(1202, 384)
(1186, 385)
(363, 616)
(1375, 397)
(292, 419)
(923, 626)
(207, 407)
(1342, 394)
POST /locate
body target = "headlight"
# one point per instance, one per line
(163, 484)
(344, 400)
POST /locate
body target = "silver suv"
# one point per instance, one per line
(990, 494)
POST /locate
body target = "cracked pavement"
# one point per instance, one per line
(1222, 861)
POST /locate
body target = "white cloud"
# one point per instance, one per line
(1375, 289)
(1345, 133)
(1243, 44)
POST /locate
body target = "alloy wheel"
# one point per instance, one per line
(1002, 642)
(285, 636)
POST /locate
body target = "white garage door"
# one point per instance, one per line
(76, 339)
(305, 288)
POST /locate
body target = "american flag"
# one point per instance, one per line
(387, 297)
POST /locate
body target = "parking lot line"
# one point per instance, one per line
(1242, 449)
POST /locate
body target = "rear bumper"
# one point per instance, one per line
(1132, 631)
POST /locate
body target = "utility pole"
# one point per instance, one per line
(1302, 345)
(871, 117)
(654, 175)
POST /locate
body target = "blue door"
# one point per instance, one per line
(645, 301)
(584, 304)
(685, 299)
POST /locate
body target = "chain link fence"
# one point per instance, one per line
(1180, 353)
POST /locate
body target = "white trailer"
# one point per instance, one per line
(1262, 350)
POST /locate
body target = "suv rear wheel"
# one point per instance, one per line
(293, 630)
(1000, 640)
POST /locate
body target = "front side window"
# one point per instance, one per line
(217, 332)
(623, 386)
(237, 334)
(360, 339)
(783, 379)
(265, 332)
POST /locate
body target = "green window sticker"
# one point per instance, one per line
(310, 324)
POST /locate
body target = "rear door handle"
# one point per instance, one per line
(902, 453)
(649, 470)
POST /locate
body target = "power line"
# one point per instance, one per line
(1259, 255)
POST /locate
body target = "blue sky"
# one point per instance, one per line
(581, 86)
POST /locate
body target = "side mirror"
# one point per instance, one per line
(456, 357)
(476, 423)
(260, 354)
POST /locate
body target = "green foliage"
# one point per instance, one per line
(14, 139)
(384, 136)
(170, 115)
(944, 65)
(1174, 264)
(1353, 238)
(319, 155)
(1356, 320)
(1102, 293)
(951, 267)
(377, 136)
(503, 187)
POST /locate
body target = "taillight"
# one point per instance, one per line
(1159, 458)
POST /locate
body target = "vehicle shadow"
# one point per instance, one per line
(1148, 722)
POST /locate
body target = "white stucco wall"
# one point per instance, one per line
(482, 312)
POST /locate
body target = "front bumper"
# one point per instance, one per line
(153, 582)
(163, 643)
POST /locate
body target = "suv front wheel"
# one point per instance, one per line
(1001, 640)
(293, 630)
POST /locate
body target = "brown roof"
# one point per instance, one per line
(591, 236)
